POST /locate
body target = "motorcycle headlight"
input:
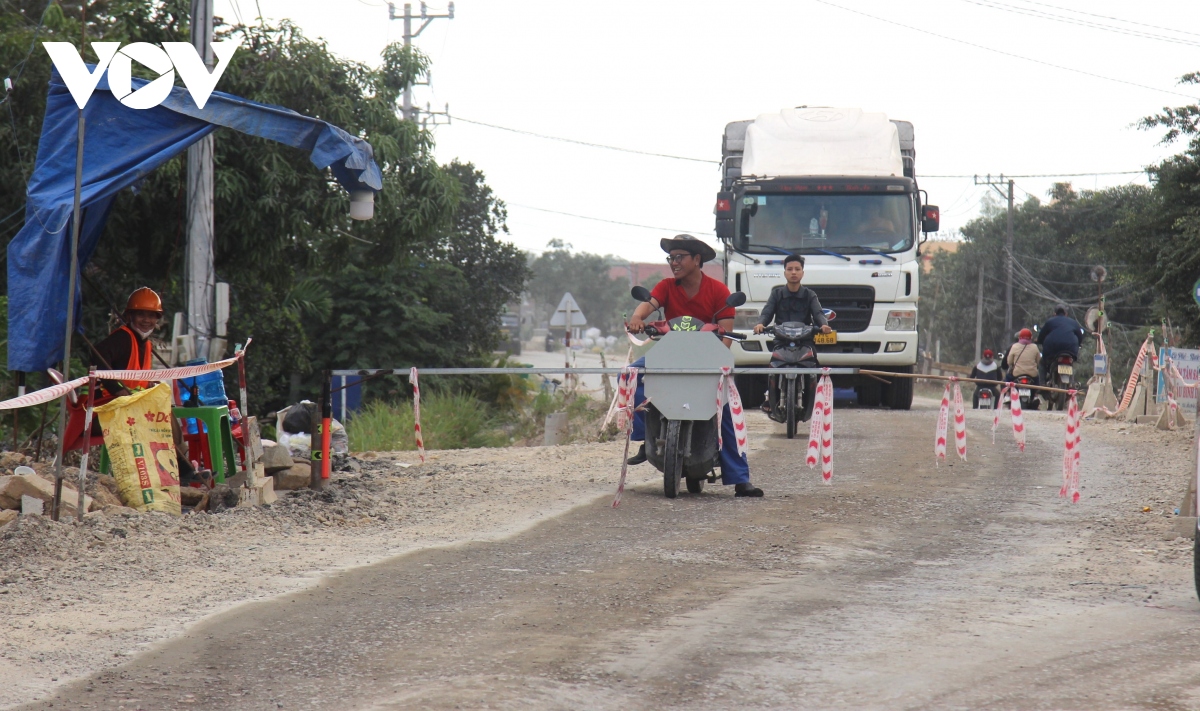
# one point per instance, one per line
(901, 321)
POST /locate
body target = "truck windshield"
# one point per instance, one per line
(845, 223)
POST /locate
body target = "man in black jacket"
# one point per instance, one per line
(791, 301)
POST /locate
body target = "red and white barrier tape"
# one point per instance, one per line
(939, 442)
(1009, 391)
(820, 431)
(626, 387)
(727, 392)
(1071, 447)
(54, 392)
(412, 379)
(960, 422)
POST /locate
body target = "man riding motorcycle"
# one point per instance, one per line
(792, 302)
(1062, 335)
(691, 292)
(986, 369)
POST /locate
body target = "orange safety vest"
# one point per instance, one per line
(133, 364)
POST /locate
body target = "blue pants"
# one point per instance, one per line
(735, 468)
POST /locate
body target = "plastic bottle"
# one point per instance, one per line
(235, 415)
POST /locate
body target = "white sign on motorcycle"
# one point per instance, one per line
(1187, 362)
(568, 307)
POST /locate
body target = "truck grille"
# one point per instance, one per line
(853, 305)
(866, 347)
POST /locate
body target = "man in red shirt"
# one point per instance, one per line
(693, 293)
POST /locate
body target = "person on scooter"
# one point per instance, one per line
(986, 369)
(1023, 356)
(1062, 335)
(792, 302)
(691, 292)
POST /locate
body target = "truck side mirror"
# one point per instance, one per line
(931, 218)
(724, 212)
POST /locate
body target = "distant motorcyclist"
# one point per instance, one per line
(691, 292)
(986, 369)
(1023, 357)
(1062, 335)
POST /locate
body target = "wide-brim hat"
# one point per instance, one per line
(691, 244)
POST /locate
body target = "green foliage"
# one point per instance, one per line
(559, 270)
(448, 421)
(422, 283)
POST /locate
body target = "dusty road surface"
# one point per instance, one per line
(902, 585)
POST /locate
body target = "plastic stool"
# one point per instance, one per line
(220, 438)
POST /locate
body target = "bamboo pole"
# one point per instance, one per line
(918, 376)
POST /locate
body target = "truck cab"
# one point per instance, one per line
(838, 188)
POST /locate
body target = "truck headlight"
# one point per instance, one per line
(745, 319)
(901, 321)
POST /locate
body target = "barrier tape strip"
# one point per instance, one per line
(820, 431)
(960, 422)
(1018, 417)
(939, 443)
(727, 392)
(627, 384)
(1071, 451)
(37, 397)
(412, 379)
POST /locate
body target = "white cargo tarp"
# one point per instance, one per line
(824, 141)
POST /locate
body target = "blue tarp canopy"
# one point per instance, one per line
(121, 147)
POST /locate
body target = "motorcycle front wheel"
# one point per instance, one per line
(672, 460)
(791, 408)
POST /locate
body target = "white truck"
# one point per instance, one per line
(838, 187)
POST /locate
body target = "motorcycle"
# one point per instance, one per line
(1029, 398)
(1061, 374)
(790, 397)
(681, 416)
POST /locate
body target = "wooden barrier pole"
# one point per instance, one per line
(87, 434)
(917, 376)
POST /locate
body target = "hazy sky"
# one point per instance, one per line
(666, 76)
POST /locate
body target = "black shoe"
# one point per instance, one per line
(639, 457)
(746, 489)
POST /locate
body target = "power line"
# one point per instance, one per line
(585, 143)
(1045, 175)
(1082, 23)
(601, 219)
(1107, 17)
(1007, 54)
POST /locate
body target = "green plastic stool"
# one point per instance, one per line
(220, 437)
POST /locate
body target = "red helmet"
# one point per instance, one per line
(144, 299)
(1025, 333)
(987, 353)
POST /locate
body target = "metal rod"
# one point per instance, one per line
(76, 227)
(596, 371)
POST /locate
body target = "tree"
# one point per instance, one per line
(314, 288)
(559, 270)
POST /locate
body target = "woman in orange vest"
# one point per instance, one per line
(129, 347)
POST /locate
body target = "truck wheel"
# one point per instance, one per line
(900, 392)
(870, 394)
(752, 389)
(672, 460)
(791, 408)
(1196, 561)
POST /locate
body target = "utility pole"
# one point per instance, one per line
(200, 276)
(979, 317)
(406, 107)
(1008, 244)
